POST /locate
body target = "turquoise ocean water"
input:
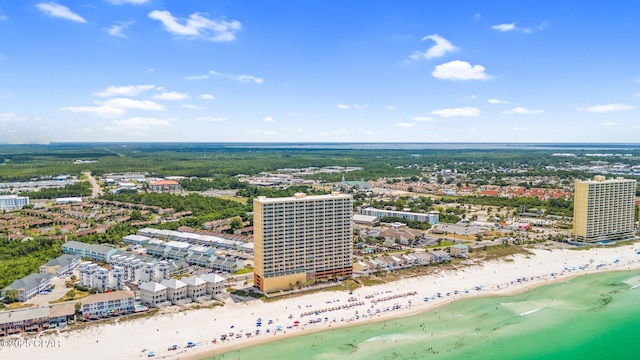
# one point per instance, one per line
(590, 317)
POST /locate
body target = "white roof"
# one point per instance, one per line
(177, 244)
(192, 280)
(212, 278)
(364, 218)
(152, 286)
(173, 283)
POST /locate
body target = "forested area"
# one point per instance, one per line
(79, 189)
(558, 207)
(206, 208)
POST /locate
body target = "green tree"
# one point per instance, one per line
(236, 224)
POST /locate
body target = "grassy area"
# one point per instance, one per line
(444, 243)
(245, 270)
(17, 305)
(497, 252)
(241, 200)
(72, 294)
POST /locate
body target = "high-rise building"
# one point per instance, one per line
(300, 238)
(603, 209)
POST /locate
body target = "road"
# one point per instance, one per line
(94, 184)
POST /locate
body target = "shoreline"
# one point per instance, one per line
(366, 305)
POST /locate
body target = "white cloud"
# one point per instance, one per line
(117, 29)
(497, 101)
(457, 112)
(268, 119)
(340, 131)
(207, 97)
(10, 117)
(134, 2)
(98, 110)
(197, 26)
(607, 107)
(422, 118)
(192, 106)
(391, 107)
(59, 11)
(140, 123)
(441, 47)
(130, 90)
(513, 27)
(369, 132)
(360, 107)
(196, 77)
(125, 103)
(241, 78)
(637, 94)
(521, 111)
(299, 130)
(150, 70)
(342, 106)
(249, 79)
(4, 17)
(211, 119)
(504, 27)
(607, 123)
(460, 70)
(171, 96)
(404, 124)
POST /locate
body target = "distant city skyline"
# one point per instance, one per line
(330, 71)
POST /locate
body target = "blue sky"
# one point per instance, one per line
(319, 71)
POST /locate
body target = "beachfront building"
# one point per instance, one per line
(61, 266)
(62, 314)
(32, 319)
(215, 284)
(153, 294)
(13, 202)
(301, 238)
(108, 304)
(196, 287)
(176, 291)
(28, 287)
(459, 250)
(94, 276)
(432, 217)
(603, 209)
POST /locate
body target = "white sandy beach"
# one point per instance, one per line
(127, 340)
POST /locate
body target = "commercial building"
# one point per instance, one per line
(13, 202)
(432, 217)
(164, 185)
(300, 238)
(603, 209)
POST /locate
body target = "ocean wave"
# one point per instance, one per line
(530, 311)
(393, 337)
